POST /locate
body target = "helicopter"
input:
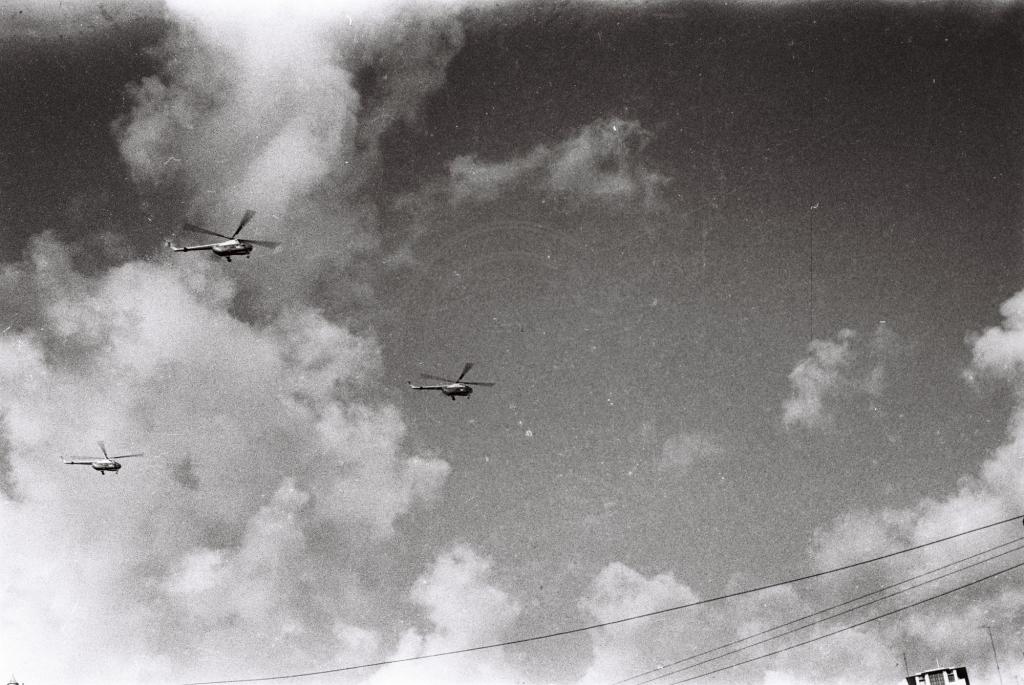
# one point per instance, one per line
(101, 464)
(452, 388)
(231, 246)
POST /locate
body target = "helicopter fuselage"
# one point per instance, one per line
(460, 389)
(231, 247)
(106, 465)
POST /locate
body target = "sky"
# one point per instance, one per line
(747, 277)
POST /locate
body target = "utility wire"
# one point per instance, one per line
(822, 611)
(593, 626)
(850, 627)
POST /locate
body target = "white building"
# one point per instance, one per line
(940, 676)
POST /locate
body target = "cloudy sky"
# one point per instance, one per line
(745, 275)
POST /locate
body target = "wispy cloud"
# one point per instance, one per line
(601, 166)
(684, 450)
(838, 371)
(602, 161)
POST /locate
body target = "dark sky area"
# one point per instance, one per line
(840, 162)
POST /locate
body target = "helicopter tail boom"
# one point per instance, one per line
(424, 387)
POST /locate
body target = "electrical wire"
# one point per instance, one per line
(822, 611)
(593, 626)
(850, 627)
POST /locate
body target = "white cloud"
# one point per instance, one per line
(620, 591)
(256, 107)
(289, 475)
(999, 351)
(601, 165)
(948, 630)
(356, 644)
(409, 45)
(475, 181)
(269, 556)
(235, 546)
(815, 379)
(836, 371)
(602, 161)
(627, 648)
(465, 610)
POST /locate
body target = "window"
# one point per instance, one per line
(936, 678)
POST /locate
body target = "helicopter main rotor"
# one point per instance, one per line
(465, 370)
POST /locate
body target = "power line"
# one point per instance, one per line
(823, 611)
(849, 627)
(593, 626)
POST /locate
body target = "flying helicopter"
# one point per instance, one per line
(452, 388)
(101, 464)
(231, 246)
